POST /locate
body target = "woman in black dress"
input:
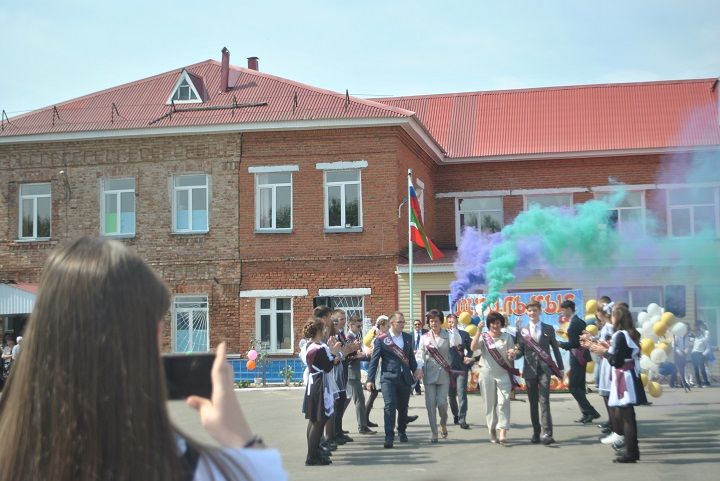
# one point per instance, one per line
(626, 390)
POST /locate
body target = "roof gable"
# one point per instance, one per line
(186, 89)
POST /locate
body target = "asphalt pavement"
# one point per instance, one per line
(679, 440)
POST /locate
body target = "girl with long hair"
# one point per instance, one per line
(97, 411)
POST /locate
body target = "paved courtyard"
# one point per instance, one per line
(679, 440)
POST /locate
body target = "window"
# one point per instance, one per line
(185, 91)
(438, 301)
(352, 305)
(190, 193)
(692, 211)
(707, 300)
(273, 201)
(343, 204)
(274, 323)
(190, 324)
(629, 215)
(35, 210)
(118, 210)
(638, 298)
(484, 213)
(548, 200)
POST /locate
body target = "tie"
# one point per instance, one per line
(536, 332)
(417, 340)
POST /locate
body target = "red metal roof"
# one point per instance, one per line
(139, 103)
(570, 119)
(31, 288)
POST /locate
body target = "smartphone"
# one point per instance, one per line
(188, 374)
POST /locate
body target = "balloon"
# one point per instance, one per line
(471, 329)
(647, 346)
(590, 367)
(465, 318)
(646, 363)
(659, 328)
(444, 325)
(668, 318)
(642, 317)
(644, 378)
(664, 346)
(658, 356)
(252, 354)
(679, 329)
(654, 389)
(591, 306)
(592, 329)
(475, 320)
(653, 309)
(251, 365)
(590, 317)
(655, 318)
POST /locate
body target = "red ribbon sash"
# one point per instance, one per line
(387, 340)
(579, 355)
(544, 356)
(437, 355)
(621, 385)
(499, 359)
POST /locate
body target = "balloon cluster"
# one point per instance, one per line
(470, 322)
(252, 357)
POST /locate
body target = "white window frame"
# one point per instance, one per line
(184, 75)
(642, 207)
(272, 312)
(690, 207)
(190, 188)
(118, 197)
(527, 198)
(458, 227)
(635, 309)
(186, 298)
(34, 198)
(273, 189)
(326, 206)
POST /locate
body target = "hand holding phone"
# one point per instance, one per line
(188, 374)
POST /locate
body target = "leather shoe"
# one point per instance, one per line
(366, 430)
(455, 420)
(346, 438)
(388, 443)
(535, 439)
(403, 438)
(595, 415)
(371, 424)
(625, 458)
(583, 420)
(410, 419)
(547, 439)
(464, 425)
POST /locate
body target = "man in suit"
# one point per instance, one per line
(462, 359)
(354, 384)
(395, 348)
(538, 336)
(579, 357)
(418, 331)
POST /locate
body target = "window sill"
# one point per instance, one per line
(32, 243)
(118, 236)
(273, 231)
(191, 232)
(339, 230)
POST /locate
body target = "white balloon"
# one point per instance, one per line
(679, 329)
(658, 356)
(653, 309)
(642, 317)
(647, 324)
(646, 363)
(655, 318)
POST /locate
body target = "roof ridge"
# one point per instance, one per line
(535, 89)
(109, 89)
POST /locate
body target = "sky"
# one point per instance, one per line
(52, 51)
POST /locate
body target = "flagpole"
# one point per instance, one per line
(410, 248)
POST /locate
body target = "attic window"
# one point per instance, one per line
(185, 91)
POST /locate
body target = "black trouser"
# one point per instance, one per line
(538, 391)
(340, 406)
(576, 385)
(397, 397)
(698, 360)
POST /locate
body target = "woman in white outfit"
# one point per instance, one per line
(497, 358)
(433, 360)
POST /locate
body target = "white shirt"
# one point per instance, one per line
(398, 340)
(259, 464)
(535, 331)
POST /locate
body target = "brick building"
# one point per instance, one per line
(254, 195)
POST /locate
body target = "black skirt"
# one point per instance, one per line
(314, 402)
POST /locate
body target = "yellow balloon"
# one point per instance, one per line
(590, 367)
(668, 318)
(591, 306)
(444, 325)
(471, 329)
(465, 318)
(654, 389)
(644, 379)
(592, 329)
(663, 346)
(590, 317)
(659, 328)
(647, 346)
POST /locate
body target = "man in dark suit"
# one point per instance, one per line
(538, 369)
(579, 357)
(462, 358)
(418, 331)
(395, 348)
